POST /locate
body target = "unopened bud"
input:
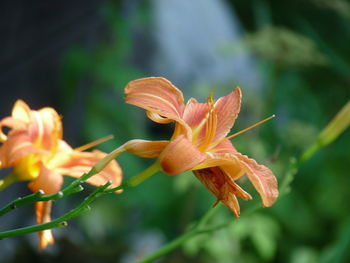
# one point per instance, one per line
(334, 128)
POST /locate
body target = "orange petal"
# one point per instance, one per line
(194, 116)
(42, 212)
(223, 187)
(13, 124)
(45, 128)
(146, 149)
(236, 164)
(262, 178)
(48, 181)
(195, 112)
(79, 163)
(17, 146)
(21, 111)
(216, 159)
(232, 204)
(223, 147)
(158, 118)
(155, 94)
(159, 97)
(226, 161)
(227, 109)
(180, 155)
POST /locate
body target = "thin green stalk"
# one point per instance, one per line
(137, 179)
(179, 241)
(72, 188)
(195, 230)
(61, 221)
(21, 201)
(168, 247)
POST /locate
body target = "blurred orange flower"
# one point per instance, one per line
(34, 148)
(199, 142)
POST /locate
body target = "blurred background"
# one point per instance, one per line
(291, 58)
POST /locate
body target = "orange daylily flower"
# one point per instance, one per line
(34, 148)
(199, 142)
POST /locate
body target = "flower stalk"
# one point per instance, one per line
(61, 221)
(335, 127)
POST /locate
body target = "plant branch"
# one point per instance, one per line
(61, 221)
(72, 188)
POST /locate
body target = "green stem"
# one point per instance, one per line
(72, 188)
(168, 247)
(196, 230)
(21, 201)
(310, 151)
(179, 241)
(59, 222)
(137, 179)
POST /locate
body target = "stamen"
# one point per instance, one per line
(206, 119)
(244, 130)
(94, 143)
(211, 123)
(210, 99)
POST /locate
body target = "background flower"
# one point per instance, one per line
(35, 150)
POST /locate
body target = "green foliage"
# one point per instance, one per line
(342, 7)
(285, 47)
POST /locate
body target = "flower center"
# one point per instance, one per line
(205, 132)
(28, 168)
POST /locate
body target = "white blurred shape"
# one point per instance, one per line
(191, 38)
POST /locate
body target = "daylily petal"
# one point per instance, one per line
(158, 96)
(236, 164)
(223, 147)
(48, 181)
(146, 149)
(21, 111)
(11, 123)
(42, 212)
(180, 155)
(214, 160)
(227, 109)
(16, 146)
(195, 112)
(226, 161)
(195, 116)
(237, 190)
(231, 202)
(223, 187)
(158, 118)
(262, 178)
(79, 163)
(45, 128)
